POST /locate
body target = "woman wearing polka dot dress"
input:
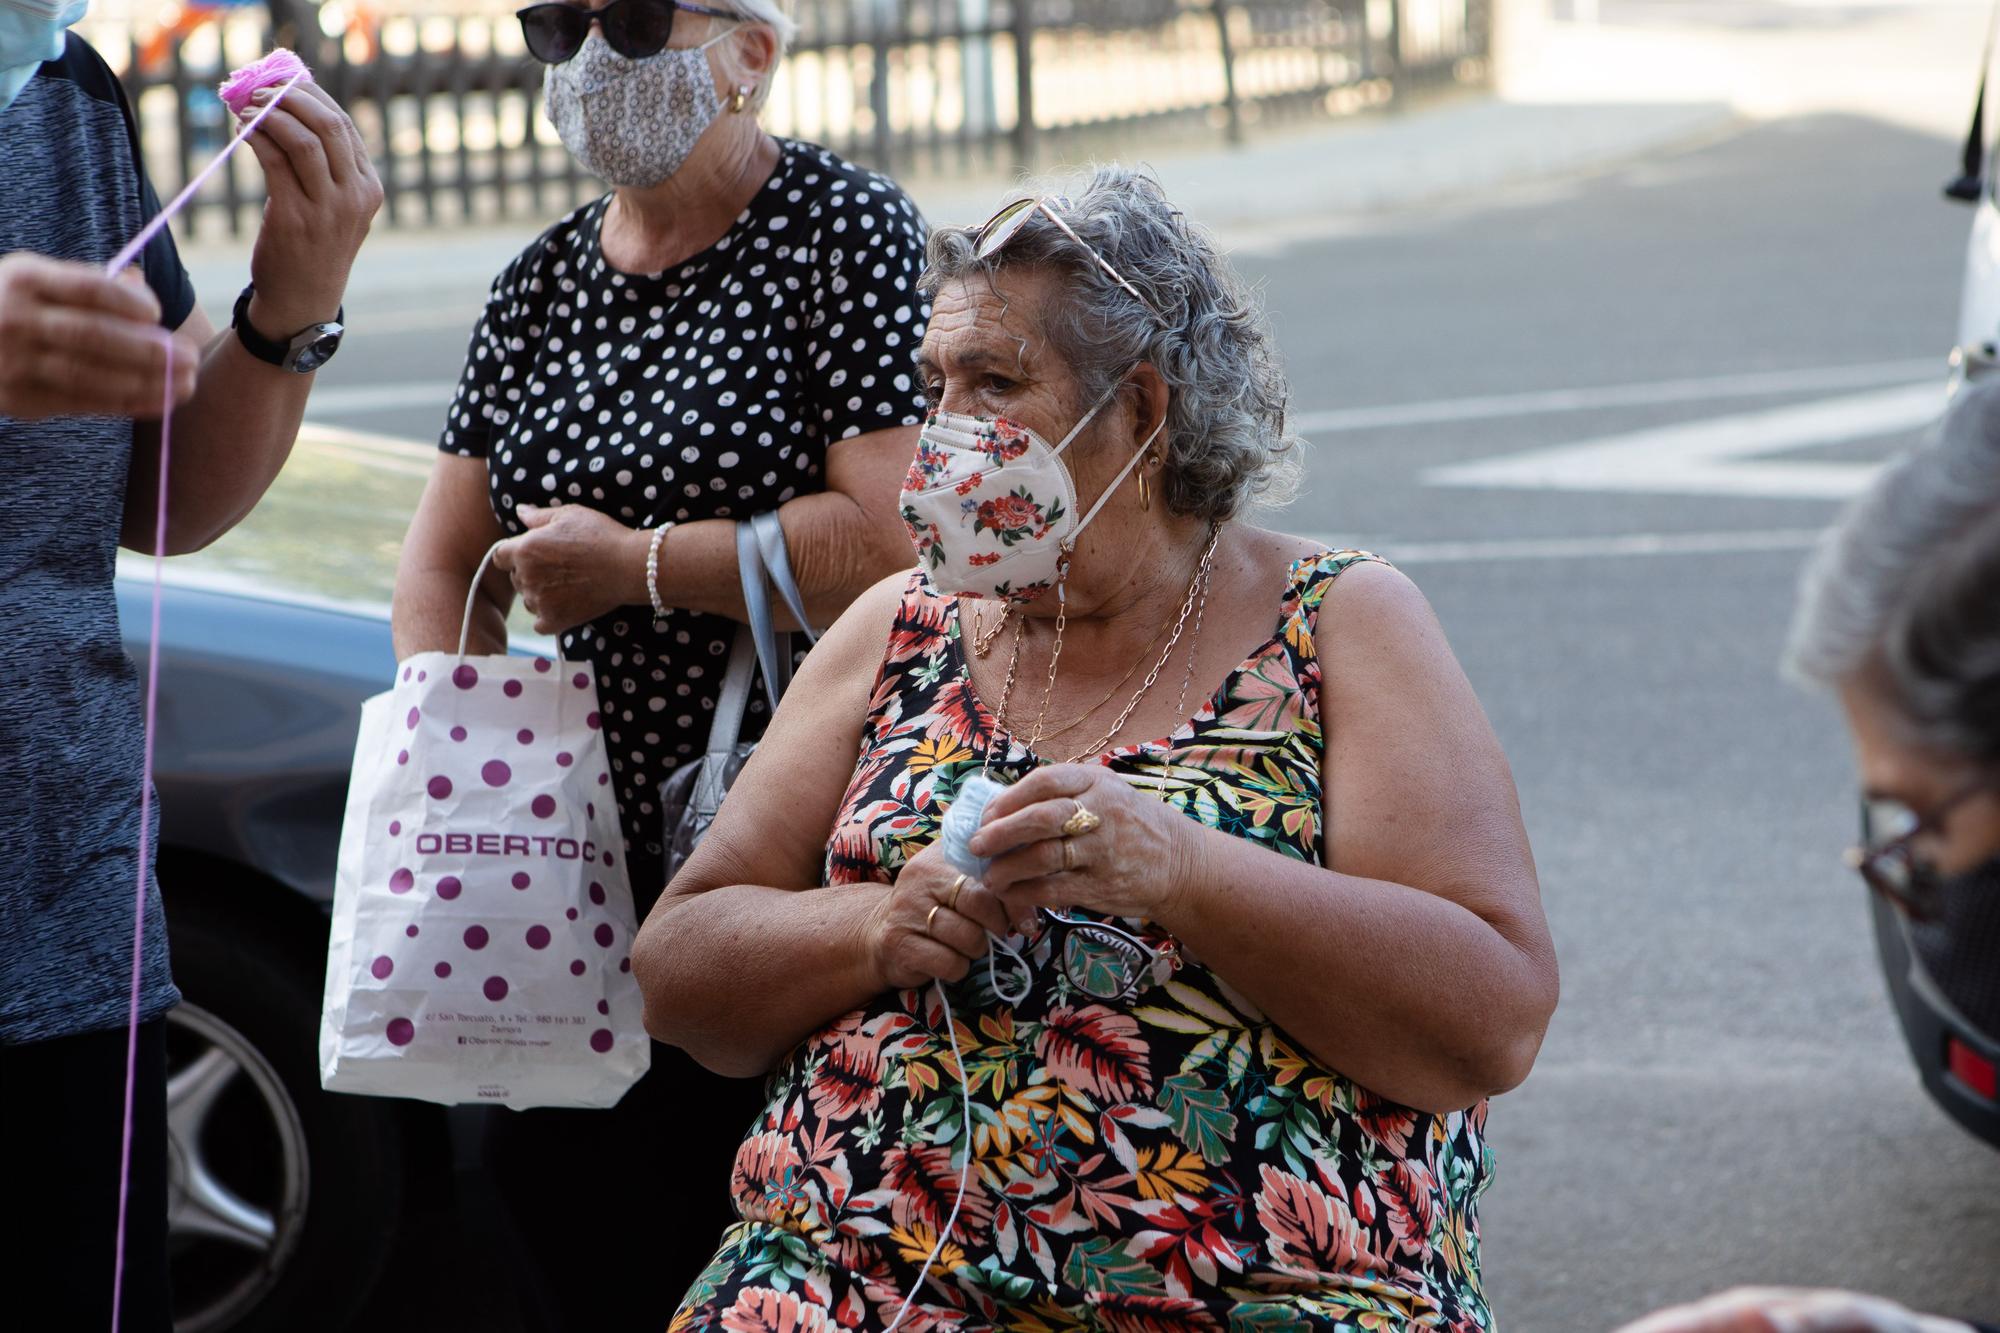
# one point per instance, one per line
(728, 332)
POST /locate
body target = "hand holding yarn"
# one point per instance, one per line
(1078, 835)
(931, 924)
(323, 193)
(77, 341)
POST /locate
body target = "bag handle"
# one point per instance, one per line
(472, 600)
(760, 555)
(757, 605)
(778, 565)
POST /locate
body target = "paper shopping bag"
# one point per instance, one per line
(482, 918)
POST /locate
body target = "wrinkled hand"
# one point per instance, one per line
(323, 194)
(572, 565)
(1131, 865)
(910, 945)
(1778, 1310)
(74, 342)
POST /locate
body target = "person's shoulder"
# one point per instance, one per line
(563, 247)
(1364, 590)
(831, 185)
(81, 66)
(851, 651)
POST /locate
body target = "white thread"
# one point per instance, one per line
(964, 1172)
(993, 943)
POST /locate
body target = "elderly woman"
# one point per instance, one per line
(727, 332)
(1268, 930)
(1901, 617)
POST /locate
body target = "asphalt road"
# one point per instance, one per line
(1723, 1096)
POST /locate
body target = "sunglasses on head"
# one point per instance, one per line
(1003, 226)
(634, 29)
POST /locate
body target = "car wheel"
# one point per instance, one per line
(282, 1199)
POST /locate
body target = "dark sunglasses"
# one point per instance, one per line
(1887, 860)
(634, 29)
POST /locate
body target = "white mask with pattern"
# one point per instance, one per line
(631, 122)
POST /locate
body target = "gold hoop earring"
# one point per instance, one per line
(1145, 489)
(740, 98)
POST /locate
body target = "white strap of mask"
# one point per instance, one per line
(1119, 480)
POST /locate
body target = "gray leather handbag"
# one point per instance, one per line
(690, 798)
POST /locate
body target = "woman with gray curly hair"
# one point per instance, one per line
(1193, 1024)
(1899, 615)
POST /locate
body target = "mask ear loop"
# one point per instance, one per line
(1119, 480)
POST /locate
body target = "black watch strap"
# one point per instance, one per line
(268, 350)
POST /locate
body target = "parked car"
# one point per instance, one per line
(283, 1199)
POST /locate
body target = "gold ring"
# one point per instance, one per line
(1069, 856)
(957, 887)
(932, 918)
(1081, 822)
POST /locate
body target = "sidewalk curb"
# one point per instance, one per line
(1294, 184)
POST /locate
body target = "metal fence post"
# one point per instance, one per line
(1024, 83)
(881, 33)
(1232, 108)
(1396, 41)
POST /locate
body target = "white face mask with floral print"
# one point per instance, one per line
(991, 507)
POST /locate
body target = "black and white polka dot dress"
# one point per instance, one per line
(713, 390)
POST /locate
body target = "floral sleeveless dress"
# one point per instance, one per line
(1171, 1161)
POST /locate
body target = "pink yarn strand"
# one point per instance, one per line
(145, 844)
(115, 267)
(152, 229)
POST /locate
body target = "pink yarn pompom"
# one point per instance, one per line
(274, 70)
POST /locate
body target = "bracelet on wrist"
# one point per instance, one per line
(653, 571)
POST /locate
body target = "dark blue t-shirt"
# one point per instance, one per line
(71, 730)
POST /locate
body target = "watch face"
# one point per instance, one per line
(316, 353)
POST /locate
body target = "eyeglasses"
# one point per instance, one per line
(1887, 859)
(1003, 226)
(634, 29)
(1100, 959)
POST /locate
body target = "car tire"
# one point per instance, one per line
(284, 1199)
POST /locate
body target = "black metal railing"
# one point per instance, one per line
(450, 105)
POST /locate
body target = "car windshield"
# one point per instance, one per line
(328, 531)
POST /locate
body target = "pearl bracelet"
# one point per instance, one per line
(653, 571)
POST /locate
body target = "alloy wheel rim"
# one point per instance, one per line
(226, 1102)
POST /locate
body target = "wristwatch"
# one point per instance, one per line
(306, 350)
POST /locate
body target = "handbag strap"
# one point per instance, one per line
(777, 666)
(777, 564)
(760, 556)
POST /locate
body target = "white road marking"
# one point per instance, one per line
(1754, 384)
(1716, 456)
(1747, 542)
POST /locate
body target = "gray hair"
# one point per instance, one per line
(773, 14)
(1904, 591)
(1225, 431)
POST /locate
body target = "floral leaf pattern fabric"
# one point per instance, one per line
(1168, 1162)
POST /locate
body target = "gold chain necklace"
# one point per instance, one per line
(1197, 596)
(1195, 603)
